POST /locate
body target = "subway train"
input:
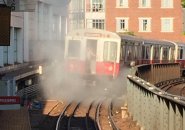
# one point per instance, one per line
(148, 51)
(94, 52)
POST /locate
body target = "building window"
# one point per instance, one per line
(121, 24)
(166, 3)
(144, 24)
(96, 23)
(122, 3)
(97, 5)
(145, 3)
(166, 24)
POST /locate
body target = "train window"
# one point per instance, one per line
(110, 51)
(122, 53)
(74, 48)
(146, 52)
(156, 52)
(180, 53)
(129, 52)
(143, 52)
(165, 53)
(138, 52)
(172, 53)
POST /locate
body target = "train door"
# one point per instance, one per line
(91, 51)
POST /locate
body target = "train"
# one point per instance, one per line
(95, 52)
(92, 52)
(149, 51)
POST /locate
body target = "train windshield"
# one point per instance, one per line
(74, 48)
(110, 51)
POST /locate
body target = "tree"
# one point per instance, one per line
(183, 3)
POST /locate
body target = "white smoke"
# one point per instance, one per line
(56, 84)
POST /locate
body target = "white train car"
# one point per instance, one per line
(92, 52)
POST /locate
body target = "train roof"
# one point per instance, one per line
(146, 41)
(94, 33)
(180, 43)
(131, 38)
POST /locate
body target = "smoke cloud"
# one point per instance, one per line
(57, 85)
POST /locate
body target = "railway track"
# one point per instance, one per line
(174, 86)
(46, 118)
(77, 116)
(87, 116)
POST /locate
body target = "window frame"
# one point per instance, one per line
(97, 5)
(118, 24)
(167, 3)
(147, 5)
(141, 24)
(91, 22)
(110, 50)
(124, 4)
(168, 28)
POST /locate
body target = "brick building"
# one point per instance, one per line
(156, 19)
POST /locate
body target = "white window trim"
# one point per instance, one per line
(140, 25)
(149, 4)
(118, 6)
(171, 28)
(164, 7)
(126, 24)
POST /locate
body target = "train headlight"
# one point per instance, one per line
(40, 69)
(110, 68)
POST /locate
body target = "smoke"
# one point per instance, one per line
(57, 84)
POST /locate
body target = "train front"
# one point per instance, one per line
(92, 54)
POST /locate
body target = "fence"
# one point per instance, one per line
(151, 107)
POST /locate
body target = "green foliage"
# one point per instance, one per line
(183, 3)
(130, 33)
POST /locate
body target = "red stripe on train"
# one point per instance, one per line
(107, 68)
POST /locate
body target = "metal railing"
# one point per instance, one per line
(151, 107)
(29, 91)
(155, 73)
